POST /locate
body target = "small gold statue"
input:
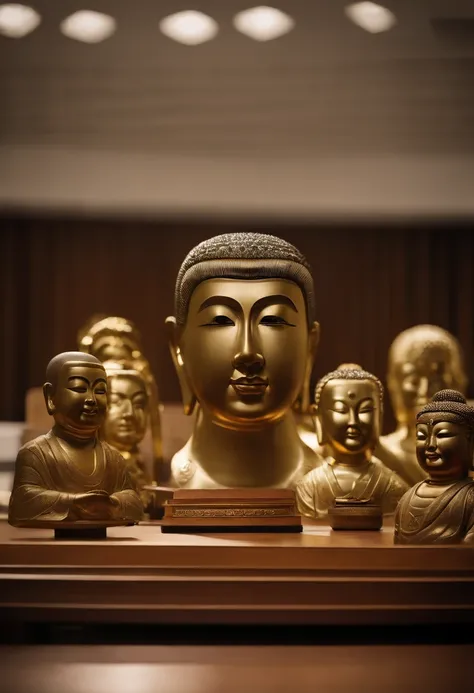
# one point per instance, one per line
(304, 409)
(116, 339)
(348, 407)
(422, 360)
(240, 341)
(440, 509)
(126, 421)
(68, 475)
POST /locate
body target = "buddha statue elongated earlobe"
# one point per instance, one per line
(319, 430)
(187, 394)
(303, 402)
(47, 390)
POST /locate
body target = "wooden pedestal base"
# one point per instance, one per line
(231, 510)
(355, 516)
(78, 530)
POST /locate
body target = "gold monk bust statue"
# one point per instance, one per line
(348, 407)
(440, 509)
(68, 474)
(422, 360)
(111, 338)
(240, 339)
(126, 420)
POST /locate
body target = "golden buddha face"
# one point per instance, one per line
(413, 380)
(244, 348)
(349, 415)
(78, 401)
(126, 420)
(443, 448)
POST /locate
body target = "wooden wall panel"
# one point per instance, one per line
(372, 281)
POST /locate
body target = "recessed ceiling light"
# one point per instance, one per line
(263, 23)
(17, 20)
(88, 26)
(189, 27)
(371, 17)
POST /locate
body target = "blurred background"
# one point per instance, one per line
(126, 139)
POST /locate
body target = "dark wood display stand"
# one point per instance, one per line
(318, 577)
(231, 510)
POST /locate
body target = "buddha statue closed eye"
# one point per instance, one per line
(440, 509)
(422, 360)
(348, 408)
(240, 340)
(69, 475)
(118, 340)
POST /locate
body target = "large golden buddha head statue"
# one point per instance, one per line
(422, 360)
(244, 328)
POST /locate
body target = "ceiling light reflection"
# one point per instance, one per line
(263, 23)
(88, 26)
(371, 17)
(17, 20)
(189, 27)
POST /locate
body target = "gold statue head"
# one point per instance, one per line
(244, 328)
(75, 393)
(127, 413)
(445, 437)
(422, 360)
(110, 338)
(348, 407)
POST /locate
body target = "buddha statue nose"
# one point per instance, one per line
(248, 363)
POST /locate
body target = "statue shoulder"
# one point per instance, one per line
(34, 448)
(394, 479)
(311, 459)
(316, 475)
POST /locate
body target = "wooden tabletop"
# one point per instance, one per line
(141, 575)
(331, 669)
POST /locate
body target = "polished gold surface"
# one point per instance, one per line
(68, 475)
(111, 338)
(126, 421)
(348, 407)
(241, 339)
(440, 509)
(422, 360)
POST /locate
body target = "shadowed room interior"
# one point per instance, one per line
(354, 142)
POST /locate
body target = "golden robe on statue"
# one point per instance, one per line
(317, 491)
(46, 483)
(447, 519)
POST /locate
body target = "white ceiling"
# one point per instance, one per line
(325, 90)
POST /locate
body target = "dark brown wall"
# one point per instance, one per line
(372, 281)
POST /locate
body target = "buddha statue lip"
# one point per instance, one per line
(433, 459)
(90, 411)
(125, 427)
(353, 432)
(250, 385)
